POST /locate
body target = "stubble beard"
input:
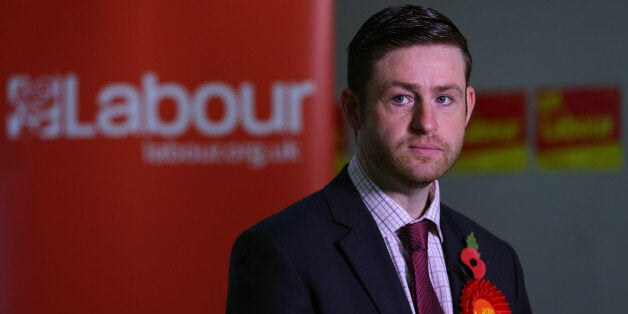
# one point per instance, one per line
(398, 163)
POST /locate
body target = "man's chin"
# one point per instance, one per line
(426, 173)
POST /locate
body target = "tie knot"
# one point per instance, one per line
(415, 235)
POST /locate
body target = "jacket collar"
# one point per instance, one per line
(363, 247)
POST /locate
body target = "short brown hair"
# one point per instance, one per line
(398, 27)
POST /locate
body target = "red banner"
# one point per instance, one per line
(495, 139)
(579, 128)
(138, 139)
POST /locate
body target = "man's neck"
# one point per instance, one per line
(414, 200)
(415, 203)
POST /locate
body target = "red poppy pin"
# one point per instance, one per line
(479, 296)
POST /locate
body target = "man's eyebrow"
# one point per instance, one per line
(438, 89)
(405, 85)
(445, 88)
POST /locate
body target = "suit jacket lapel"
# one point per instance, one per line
(453, 244)
(364, 248)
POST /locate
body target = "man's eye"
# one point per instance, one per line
(443, 100)
(400, 99)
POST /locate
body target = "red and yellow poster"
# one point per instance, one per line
(579, 128)
(495, 139)
(138, 138)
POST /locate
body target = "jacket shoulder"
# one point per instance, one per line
(463, 225)
(326, 208)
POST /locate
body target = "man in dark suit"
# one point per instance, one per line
(355, 246)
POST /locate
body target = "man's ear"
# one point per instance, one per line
(350, 107)
(470, 103)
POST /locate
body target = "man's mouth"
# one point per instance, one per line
(425, 149)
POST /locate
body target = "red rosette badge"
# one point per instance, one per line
(479, 296)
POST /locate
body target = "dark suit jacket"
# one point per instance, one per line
(325, 254)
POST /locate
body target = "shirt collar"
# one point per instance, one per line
(388, 215)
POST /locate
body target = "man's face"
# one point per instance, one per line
(411, 126)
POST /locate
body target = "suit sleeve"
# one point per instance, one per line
(262, 278)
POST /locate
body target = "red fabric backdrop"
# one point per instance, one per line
(137, 139)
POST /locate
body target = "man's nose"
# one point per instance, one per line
(424, 118)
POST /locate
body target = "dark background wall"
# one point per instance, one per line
(569, 228)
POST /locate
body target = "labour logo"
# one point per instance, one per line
(36, 106)
(47, 107)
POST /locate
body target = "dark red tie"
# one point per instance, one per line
(414, 237)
